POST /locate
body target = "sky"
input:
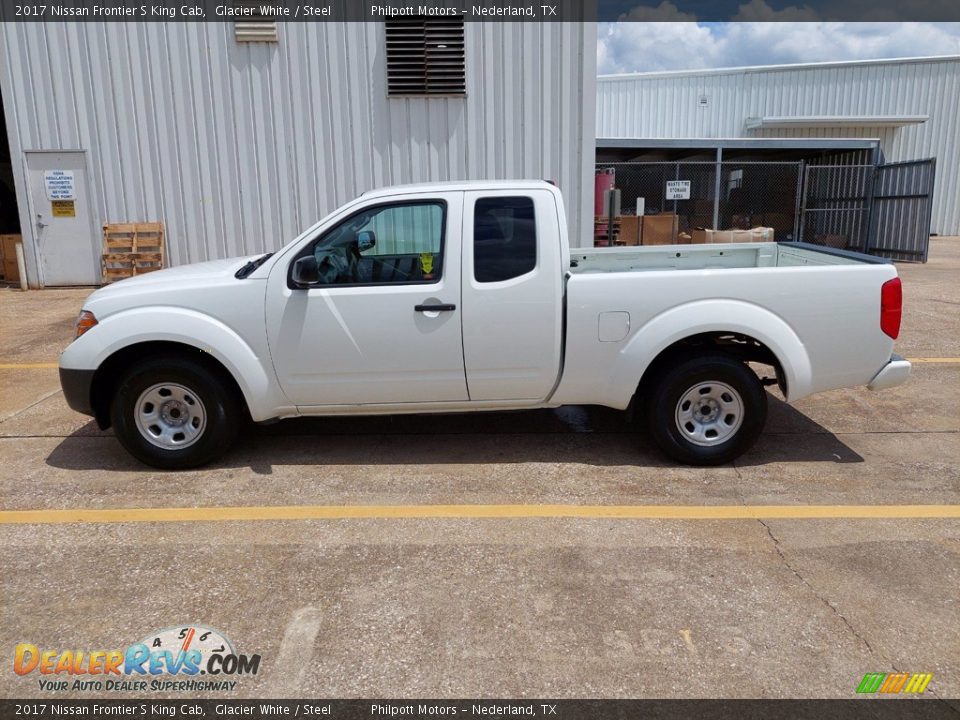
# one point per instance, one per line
(643, 47)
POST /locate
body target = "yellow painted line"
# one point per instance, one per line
(940, 361)
(27, 366)
(420, 512)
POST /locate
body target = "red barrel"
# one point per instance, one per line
(604, 181)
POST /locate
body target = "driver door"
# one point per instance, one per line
(382, 324)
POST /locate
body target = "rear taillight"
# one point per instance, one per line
(891, 307)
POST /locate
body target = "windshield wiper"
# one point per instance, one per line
(252, 265)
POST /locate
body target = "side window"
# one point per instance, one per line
(388, 244)
(504, 238)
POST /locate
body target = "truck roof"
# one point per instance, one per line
(459, 185)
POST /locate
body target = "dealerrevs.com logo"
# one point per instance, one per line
(173, 659)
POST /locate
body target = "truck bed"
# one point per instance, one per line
(822, 304)
(709, 257)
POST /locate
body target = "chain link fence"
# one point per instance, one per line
(743, 195)
(879, 209)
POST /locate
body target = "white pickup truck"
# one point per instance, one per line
(455, 297)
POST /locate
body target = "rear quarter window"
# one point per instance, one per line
(504, 238)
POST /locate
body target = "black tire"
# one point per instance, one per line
(219, 407)
(683, 431)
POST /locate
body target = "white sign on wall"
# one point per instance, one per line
(59, 184)
(678, 190)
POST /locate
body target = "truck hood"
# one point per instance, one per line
(214, 269)
(185, 286)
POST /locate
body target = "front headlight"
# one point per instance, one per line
(85, 321)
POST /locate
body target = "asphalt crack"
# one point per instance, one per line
(786, 563)
(36, 402)
(866, 643)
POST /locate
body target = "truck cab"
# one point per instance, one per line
(424, 297)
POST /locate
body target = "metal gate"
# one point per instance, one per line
(902, 208)
(882, 210)
(836, 205)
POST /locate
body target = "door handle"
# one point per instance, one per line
(442, 307)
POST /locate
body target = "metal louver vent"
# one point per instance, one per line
(257, 27)
(425, 57)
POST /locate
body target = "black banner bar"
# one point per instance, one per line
(865, 708)
(478, 10)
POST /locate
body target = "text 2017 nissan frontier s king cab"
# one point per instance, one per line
(455, 297)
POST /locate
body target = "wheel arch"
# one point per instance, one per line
(124, 336)
(111, 370)
(741, 347)
(746, 331)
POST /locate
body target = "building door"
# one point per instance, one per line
(66, 248)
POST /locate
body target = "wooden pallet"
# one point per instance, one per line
(132, 249)
(8, 252)
(601, 231)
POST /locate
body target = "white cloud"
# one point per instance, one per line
(666, 11)
(642, 46)
(759, 11)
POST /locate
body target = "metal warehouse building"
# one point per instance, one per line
(238, 137)
(883, 120)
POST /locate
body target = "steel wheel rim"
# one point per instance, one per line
(170, 416)
(709, 413)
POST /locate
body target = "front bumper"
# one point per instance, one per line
(76, 386)
(896, 371)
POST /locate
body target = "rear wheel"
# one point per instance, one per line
(174, 413)
(707, 410)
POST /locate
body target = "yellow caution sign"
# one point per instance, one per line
(63, 208)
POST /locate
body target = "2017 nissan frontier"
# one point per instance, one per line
(454, 297)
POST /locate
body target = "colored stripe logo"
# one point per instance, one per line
(893, 683)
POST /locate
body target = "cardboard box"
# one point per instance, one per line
(740, 236)
(659, 229)
(702, 236)
(762, 234)
(781, 222)
(629, 230)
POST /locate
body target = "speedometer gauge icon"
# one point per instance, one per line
(181, 639)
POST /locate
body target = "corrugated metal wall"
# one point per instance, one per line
(238, 147)
(666, 105)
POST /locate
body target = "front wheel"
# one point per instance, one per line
(173, 413)
(707, 410)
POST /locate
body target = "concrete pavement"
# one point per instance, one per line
(499, 607)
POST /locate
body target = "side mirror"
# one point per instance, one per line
(305, 271)
(366, 239)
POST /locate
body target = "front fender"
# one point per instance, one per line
(706, 316)
(254, 374)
